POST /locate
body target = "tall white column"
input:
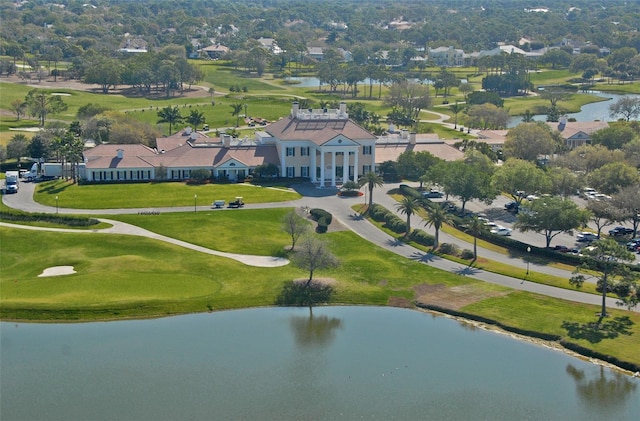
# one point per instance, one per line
(345, 167)
(312, 170)
(283, 159)
(321, 168)
(355, 166)
(333, 168)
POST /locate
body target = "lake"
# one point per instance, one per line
(589, 112)
(287, 363)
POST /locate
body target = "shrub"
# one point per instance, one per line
(322, 225)
(467, 254)
(317, 214)
(395, 223)
(378, 213)
(450, 249)
(421, 237)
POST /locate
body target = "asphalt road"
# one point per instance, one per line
(340, 208)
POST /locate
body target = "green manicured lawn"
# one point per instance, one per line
(222, 230)
(124, 276)
(544, 314)
(152, 195)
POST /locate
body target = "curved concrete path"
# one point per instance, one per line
(341, 210)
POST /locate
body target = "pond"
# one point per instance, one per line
(287, 363)
(589, 112)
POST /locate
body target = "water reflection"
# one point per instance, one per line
(314, 331)
(603, 389)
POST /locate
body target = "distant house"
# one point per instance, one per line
(270, 44)
(315, 53)
(133, 45)
(446, 56)
(577, 133)
(215, 51)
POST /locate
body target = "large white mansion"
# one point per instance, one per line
(322, 145)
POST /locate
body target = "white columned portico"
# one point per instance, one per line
(333, 168)
(321, 168)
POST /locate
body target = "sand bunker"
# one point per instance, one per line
(57, 271)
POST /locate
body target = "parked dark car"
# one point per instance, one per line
(512, 207)
(561, 249)
(618, 231)
(633, 244)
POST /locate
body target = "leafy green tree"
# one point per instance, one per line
(564, 182)
(557, 58)
(371, 180)
(170, 115)
(482, 97)
(18, 107)
(627, 201)
(17, 147)
(518, 175)
(447, 80)
(409, 98)
(436, 217)
(468, 179)
(39, 147)
(603, 214)
(465, 89)
(528, 141)
(42, 103)
(614, 137)
(266, 170)
(295, 226)
(582, 62)
(552, 216)
(313, 255)
(90, 110)
(610, 178)
(486, 116)
(606, 258)
(105, 72)
(408, 206)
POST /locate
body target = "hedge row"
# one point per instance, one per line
(323, 219)
(391, 220)
(69, 220)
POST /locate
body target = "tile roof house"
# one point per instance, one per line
(322, 145)
(577, 133)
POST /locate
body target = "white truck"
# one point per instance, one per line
(11, 182)
(51, 170)
(32, 174)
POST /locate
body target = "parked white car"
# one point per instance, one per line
(501, 231)
(585, 237)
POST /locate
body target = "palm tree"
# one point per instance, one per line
(436, 217)
(196, 118)
(371, 180)
(408, 206)
(476, 227)
(170, 115)
(237, 109)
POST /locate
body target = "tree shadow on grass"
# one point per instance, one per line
(302, 295)
(595, 332)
